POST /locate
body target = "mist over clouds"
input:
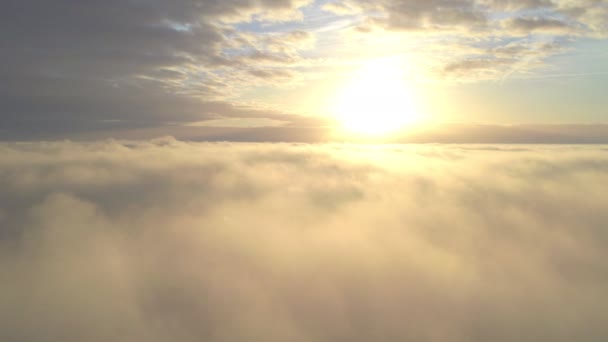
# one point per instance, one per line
(166, 240)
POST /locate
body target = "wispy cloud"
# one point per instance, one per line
(69, 67)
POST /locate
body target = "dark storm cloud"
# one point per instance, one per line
(66, 65)
(170, 241)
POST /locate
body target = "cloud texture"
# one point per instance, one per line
(164, 240)
(493, 38)
(77, 67)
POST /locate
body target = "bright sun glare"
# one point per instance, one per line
(376, 101)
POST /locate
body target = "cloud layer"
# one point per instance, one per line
(164, 240)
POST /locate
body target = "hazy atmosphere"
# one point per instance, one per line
(305, 71)
(301, 170)
(162, 240)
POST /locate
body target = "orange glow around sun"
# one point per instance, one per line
(376, 101)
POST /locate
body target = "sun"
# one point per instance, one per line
(377, 100)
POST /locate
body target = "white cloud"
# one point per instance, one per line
(459, 26)
(165, 240)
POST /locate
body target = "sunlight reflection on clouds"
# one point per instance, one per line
(167, 240)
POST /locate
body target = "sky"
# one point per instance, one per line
(305, 71)
(299, 170)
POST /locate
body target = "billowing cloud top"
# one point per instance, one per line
(72, 67)
(171, 241)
